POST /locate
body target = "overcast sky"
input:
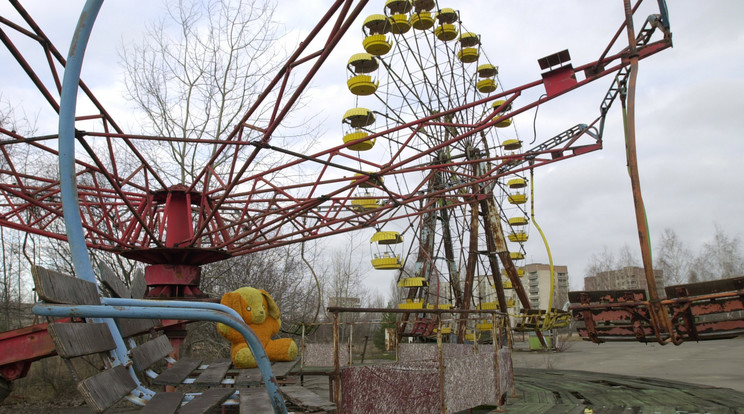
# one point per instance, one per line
(689, 110)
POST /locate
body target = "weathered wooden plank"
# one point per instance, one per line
(305, 398)
(177, 372)
(106, 388)
(112, 282)
(131, 327)
(139, 285)
(55, 287)
(206, 401)
(76, 339)
(248, 377)
(150, 352)
(252, 376)
(255, 401)
(282, 369)
(163, 403)
(214, 374)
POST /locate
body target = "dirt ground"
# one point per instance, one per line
(715, 363)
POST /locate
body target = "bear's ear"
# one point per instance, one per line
(232, 300)
(273, 308)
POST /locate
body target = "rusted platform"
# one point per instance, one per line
(562, 391)
(696, 311)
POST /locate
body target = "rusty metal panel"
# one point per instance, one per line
(428, 352)
(559, 80)
(404, 388)
(506, 370)
(612, 315)
(321, 355)
(470, 381)
(697, 311)
(26, 344)
(417, 385)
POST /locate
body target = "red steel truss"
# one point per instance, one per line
(238, 209)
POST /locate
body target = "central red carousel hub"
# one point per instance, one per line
(169, 281)
(174, 270)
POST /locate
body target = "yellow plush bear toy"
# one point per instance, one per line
(260, 312)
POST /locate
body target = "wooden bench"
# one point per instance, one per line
(125, 361)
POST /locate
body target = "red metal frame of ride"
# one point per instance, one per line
(239, 211)
(130, 212)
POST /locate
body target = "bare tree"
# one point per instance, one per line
(345, 278)
(718, 259)
(198, 70)
(673, 258)
(600, 263)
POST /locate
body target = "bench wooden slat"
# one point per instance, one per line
(177, 372)
(305, 398)
(111, 281)
(248, 377)
(55, 287)
(151, 352)
(282, 369)
(106, 388)
(214, 374)
(255, 401)
(206, 401)
(76, 339)
(127, 327)
(139, 285)
(163, 403)
(252, 376)
(131, 327)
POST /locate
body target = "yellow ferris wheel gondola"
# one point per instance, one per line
(486, 73)
(517, 198)
(374, 180)
(423, 4)
(501, 107)
(398, 19)
(365, 202)
(518, 182)
(421, 20)
(362, 66)
(376, 42)
(386, 255)
(518, 237)
(518, 221)
(358, 118)
(446, 30)
(469, 52)
(512, 144)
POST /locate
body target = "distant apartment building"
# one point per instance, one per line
(536, 282)
(629, 277)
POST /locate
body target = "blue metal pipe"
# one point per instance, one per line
(68, 185)
(171, 303)
(68, 104)
(144, 312)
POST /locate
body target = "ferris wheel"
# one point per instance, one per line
(419, 61)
